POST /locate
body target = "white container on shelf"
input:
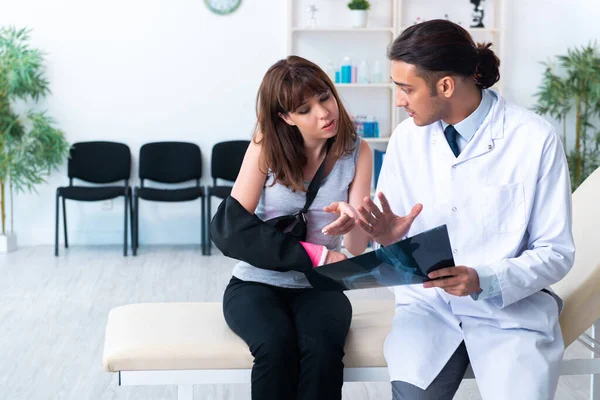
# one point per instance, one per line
(330, 71)
(359, 18)
(376, 74)
(363, 72)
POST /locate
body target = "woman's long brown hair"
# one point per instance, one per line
(285, 87)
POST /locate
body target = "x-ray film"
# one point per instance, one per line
(403, 263)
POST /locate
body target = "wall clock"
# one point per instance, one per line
(222, 7)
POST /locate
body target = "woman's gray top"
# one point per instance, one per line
(278, 200)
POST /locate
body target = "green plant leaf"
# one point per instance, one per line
(574, 81)
(31, 147)
(359, 5)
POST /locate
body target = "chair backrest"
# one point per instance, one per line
(226, 159)
(99, 162)
(580, 289)
(170, 162)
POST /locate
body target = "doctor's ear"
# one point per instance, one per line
(446, 86)
(286, 118)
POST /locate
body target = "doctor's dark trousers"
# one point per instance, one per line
(296, 336)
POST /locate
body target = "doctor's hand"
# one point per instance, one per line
(383, 225)
(346, 218)
(458, 281)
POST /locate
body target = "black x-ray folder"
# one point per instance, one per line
(402, 263)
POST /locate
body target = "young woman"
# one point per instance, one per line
(296, 333)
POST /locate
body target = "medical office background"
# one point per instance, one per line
(136, 71)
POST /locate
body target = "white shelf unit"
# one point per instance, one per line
(377, 140)
(382, 29)
(365, 85)
(472, 31)
(333, 38)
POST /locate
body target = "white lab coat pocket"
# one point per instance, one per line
(504, 208)
(535, 312)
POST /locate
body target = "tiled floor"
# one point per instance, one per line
(53, 312)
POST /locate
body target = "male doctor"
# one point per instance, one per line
(496, 175)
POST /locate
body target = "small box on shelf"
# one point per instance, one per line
(366, 126)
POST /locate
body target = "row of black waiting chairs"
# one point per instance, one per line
(106, 163)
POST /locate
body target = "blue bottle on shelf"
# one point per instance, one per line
(346, 70)
(368, 129)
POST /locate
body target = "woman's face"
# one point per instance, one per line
(317, 118)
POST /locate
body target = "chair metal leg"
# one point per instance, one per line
(56, 226)
(65, 223)
(131, 221)
(125, 230)
(203, 227)
(136, 218)
(207, 223)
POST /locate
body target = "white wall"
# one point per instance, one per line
(538, 31)
(137, 71)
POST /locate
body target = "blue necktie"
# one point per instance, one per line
(451, 134)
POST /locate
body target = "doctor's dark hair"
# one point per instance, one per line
(440, 47)
(285, 87)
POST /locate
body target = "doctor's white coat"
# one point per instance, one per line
(506, 201)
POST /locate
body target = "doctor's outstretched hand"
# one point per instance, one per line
(383, 225)
(458, 281)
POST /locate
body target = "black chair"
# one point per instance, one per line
(226, 161)
(98, 163)
(169, 162)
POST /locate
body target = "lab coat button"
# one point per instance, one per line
(455, 251)
(454, 209)
(454, 166)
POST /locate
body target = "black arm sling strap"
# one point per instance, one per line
(273, 244)
(295, 225)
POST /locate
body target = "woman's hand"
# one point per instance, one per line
(334, 256)
(346, 218)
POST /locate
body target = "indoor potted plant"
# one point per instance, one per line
(30, 146)
(358, 11)
(570, 91)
